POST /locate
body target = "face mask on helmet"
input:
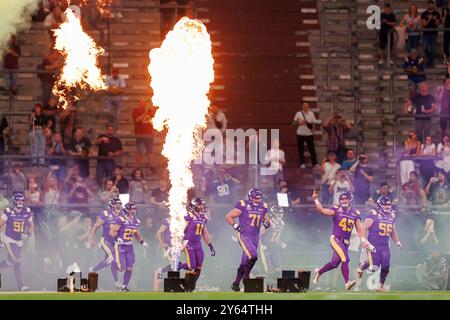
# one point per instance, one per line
(344, 202)
(19, 204)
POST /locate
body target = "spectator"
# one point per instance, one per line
(293, 197)
(109, 192)
(115, 87)
(50, 66)
(37, 122)
(336, 127)
(51, 111)
(446, 18)
(138, 186)
(438, 190)
(160, 198)
(443, 148)
(119, 180)
(412, 192)
(383, 191)
(427, 150)
(109, 147)
(16, 178)
(414, 68)
(362, 179)
(143, 129)
(80, 149)
(429, 240)
(79, 195)
(444, 97)
(72, 175)
(341, 184)
(11, 64)
(276, 157)
(349, 161)
(4, 135)
(52, 22)
(52, 196)
(412, 149)
(305, 120)
(33, 199)
(422, 104)
(411, 22)
(56, 148)
(388, 21)
(328, 170)
(433, 274)
(217, 120)
(223, 188)
(68, 122)
(430, 19)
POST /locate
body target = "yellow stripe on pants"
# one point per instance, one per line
(188, 259)
(337, 249)
(369, 256)
(247, 252)
(8, 248)
(116, 249)
(106, 248)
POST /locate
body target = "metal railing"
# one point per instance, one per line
(322, 13)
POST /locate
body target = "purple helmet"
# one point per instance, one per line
(17, 200)
(346, 195)
(114, 204)
(130, 208)
(197, 204)
(254, 194)
(384, 204)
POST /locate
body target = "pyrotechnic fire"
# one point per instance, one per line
(181, 72)
(81, 70)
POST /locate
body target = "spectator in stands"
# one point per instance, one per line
(341, 184)
(138, 187)
(52, 195)
(217, 119)
(305, 120)
(37, 122)
(412, 149)
(16, 178)
(328, 170)
(412, 192)
(80, 149)
(33, 199)
(52, 21)
(411, 22)
(51, 111)
(223, 188)
(429, 240)
(143, 129)
(444, 97)
(276, 157)
(427, 150)
(293, 197)
(4, 135)
(56, 148)
(110, 191)
(119, 180)
(430, 19)
(433, 274)
(68, 122)
(336, 127)
(422, 104)
(160, 198)
(446, 18)
(414, 68)
(350, 160)
(438, 190)
(388, 21)
(115, 88)
(79, 195)
(11, 64)
(50, 67)
(443, 148)
(72, 175)
(109, 148)
(383, 191)
(362, 179)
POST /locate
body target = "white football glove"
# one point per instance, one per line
(119, 240)
(145, 244)
(283, 245)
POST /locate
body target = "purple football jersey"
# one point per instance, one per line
(195, 226)
(251, 216)
(16, 222)
(128, 229)
(108, 218)
(344, 220)
(167, 237)
(381, 229)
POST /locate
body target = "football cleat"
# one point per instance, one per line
(316, 276)
(235, 287)
(350, 284)
(125, 288)
(25, 288)
(118, 285)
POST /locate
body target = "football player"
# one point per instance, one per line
(271, 241)
(195, 230)
(105, 219)
(18, 222)
(124, 229)
(252, 213)
(345, 218)
(381, 226)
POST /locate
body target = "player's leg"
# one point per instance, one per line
(385, 266)
(335, 261)
(108, 248)
(129, 263)
(199, 257)
(14, 256)
(246, 256)
(252, 246)
(117, 265)
(190, 263)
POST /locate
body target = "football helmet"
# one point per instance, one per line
(348, 196)
(18, 200)
(255, 195)
(384, 204)
(197, 204)
(130, 209)
(115, 204)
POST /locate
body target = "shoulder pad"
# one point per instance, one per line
(374, 212)
(105, 213)
(358, 212)
(122, 219)
(335, 207)
(265, 205)
(8, 210)
(27, 209)
(242, 202)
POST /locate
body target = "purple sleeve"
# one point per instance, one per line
(240, 205)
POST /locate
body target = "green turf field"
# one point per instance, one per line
(362, 295)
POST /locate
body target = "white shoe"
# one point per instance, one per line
(349, 285)
(125, 288)
(118, 285)
(25, 288)
(316, 276)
